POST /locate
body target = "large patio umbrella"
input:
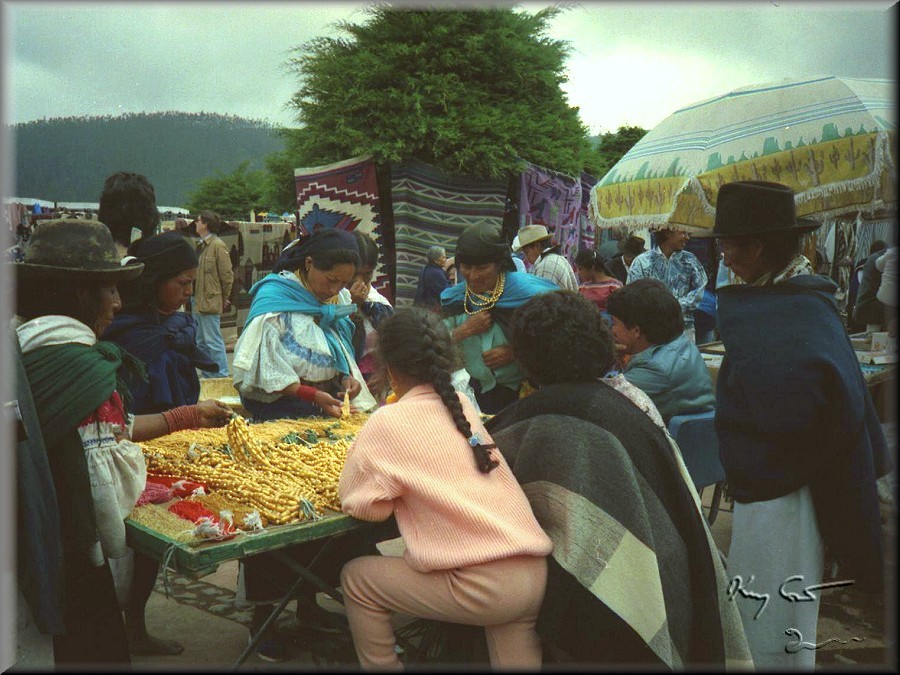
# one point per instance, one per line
(833, 140)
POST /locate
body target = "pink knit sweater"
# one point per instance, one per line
(410, 460)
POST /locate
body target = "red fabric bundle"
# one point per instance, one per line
(185, 489)
(195, 512)
(154, 493)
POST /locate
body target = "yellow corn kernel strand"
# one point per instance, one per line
(262, 473)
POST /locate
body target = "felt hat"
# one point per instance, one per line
(752, 207)
(165, 254)
(531, 234)
(74, 249)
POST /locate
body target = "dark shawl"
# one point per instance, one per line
(68, 383)
(793, 409)
(167, 346)
(633, 577)
(39, 547)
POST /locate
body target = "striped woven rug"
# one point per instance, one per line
(432, 208)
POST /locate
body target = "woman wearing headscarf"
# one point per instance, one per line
(295, 355)
(479, 309)
(67, 296)
(151, 328)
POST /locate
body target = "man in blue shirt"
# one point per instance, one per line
(432, 280)
(679, 270)
(664, 363)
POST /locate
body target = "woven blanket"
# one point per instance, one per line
(344, 195)
(634, 577)
(432, 208)
(556, 201)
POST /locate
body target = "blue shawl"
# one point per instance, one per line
(793, 409)
(168, 348)
(274, 293)
(519, 288)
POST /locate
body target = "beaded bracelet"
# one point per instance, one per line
(306, 392)
(182, 417)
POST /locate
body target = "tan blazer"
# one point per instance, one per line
(214, 277)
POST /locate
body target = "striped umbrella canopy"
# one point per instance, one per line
(832, 140)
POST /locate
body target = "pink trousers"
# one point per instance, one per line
(504, 596)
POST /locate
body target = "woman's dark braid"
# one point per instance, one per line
(440, 359)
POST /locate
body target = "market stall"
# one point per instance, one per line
(218, 495)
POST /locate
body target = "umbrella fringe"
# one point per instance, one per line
(883, 161)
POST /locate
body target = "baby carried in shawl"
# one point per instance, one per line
(634, 576)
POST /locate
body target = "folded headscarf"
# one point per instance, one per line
(297, 251)
(164, 255)
(482, 244)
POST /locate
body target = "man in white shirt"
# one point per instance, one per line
(537, 245)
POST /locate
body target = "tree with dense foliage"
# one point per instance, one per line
(472, 91)
(613, 146)
(232, 196)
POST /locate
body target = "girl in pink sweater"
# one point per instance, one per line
(474, 552)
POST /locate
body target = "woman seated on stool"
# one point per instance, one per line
(474, 552)
(294, 357)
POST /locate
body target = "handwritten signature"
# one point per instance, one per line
(737, 585)
(794, 646)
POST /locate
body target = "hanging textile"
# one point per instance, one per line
(432, 208)
(343, 195)
(553, 200)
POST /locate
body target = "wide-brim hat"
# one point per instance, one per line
(754, 207)
(531, 234)
(77, 250)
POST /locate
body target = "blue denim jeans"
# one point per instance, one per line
(209, 339)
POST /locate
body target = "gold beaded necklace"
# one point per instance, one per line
(302, 279)
(482, 301)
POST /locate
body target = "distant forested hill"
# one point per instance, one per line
(67, 159)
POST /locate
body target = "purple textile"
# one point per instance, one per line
(558, 202)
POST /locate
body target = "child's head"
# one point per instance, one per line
(415, 345)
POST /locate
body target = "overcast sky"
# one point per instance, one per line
(630, 64)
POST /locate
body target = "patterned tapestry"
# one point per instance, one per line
(343, 195)
(431, 208)
(560, 203)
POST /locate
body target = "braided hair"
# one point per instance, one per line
(417, 344)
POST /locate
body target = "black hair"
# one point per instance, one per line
(876, 246)
(368, 250)
(591, 259)
(633, 246)
(128, 200)
(648, 304)
(415, 342)
(79, 300)
(561, 317)
(212, 220)
(778, 248)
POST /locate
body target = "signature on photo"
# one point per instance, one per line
(798, 644)
(737, 585)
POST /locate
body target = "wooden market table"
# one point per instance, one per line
(198, 559)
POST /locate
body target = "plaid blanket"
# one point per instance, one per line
(431, 208)
(635, 576)
(345, 195)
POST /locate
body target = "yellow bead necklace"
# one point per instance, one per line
(482, 301)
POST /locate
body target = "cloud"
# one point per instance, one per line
(630, 63)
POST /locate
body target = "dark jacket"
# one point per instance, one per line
(793, 409)
(432, 281)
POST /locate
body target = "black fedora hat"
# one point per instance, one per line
(752, 207)
(74, 249)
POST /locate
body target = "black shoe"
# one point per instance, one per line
(273, 650)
